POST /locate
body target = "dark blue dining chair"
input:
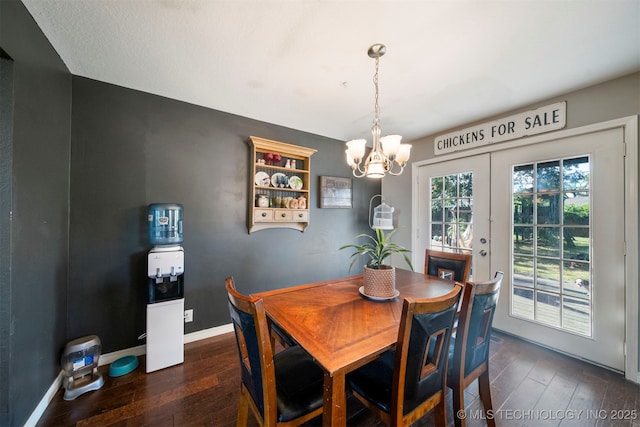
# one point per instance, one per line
(447, 265)
(405, 383)
(282, 389)
(279, 335)
(469, 349)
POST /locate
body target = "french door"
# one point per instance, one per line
(558, 215)
(454, 211)
(550, 216)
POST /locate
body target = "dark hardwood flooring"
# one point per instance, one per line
(531, 386)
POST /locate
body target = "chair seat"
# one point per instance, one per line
(299, 383)
(374, 380)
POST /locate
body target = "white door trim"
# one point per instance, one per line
(630, 128)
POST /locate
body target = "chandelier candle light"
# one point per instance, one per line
(387, 150)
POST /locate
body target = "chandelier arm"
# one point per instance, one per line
(357, 167)
(362, 173)
(391, 172)
(396, 173)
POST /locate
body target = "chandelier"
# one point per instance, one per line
(387, 151)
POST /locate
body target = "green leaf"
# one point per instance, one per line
(377, 248)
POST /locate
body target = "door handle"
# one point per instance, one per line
(483, 252)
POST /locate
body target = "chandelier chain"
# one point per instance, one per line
(376, 112)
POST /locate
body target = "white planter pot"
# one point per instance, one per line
(380, 282)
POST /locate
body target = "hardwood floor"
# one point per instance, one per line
(531, 386)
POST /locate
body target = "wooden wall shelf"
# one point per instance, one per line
(280, 185)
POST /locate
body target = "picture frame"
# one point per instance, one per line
(336, 192)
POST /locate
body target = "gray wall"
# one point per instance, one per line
(130, 149)
(611, 100)
(74, 254)
(36, 191)
(6, 169)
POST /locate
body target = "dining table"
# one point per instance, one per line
(342, 328)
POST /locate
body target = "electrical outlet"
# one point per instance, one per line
(188, 316)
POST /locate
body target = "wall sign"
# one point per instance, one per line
(540, 120)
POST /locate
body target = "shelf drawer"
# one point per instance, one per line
(300, 215)
(283, 215)
(262, 215)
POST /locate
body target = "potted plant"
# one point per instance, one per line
(379, 278)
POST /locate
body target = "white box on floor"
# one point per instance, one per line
(165, 334)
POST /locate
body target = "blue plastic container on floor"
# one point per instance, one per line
(123, 366)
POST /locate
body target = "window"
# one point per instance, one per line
(452, 212)
(551, 268)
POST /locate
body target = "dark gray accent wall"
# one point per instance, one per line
(6, 169)
(35, 246)
(74, 261)
(130, 149)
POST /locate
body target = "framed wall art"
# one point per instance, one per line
(336, 192)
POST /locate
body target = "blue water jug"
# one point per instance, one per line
(165, 224)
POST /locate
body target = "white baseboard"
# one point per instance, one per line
(44, 402)
(108, 358)
(208, 333)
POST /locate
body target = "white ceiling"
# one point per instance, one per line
(303, 64)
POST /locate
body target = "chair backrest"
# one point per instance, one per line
(254, 348)
(422, 349)
(449, 265)
(475, 323)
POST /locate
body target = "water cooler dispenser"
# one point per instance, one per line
(165, 307)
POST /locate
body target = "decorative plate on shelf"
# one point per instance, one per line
(279, 180)
(262, 178)
(295, 182)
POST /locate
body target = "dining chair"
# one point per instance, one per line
(278, 334)
(447, 265)
(469, 348)
(282, 389)
(405, 383)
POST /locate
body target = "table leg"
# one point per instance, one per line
(335, 401)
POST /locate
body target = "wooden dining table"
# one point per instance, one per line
(342, 329)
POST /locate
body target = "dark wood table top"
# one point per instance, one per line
(339, 327)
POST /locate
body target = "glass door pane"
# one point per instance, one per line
(452, 212)
(551, 238)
